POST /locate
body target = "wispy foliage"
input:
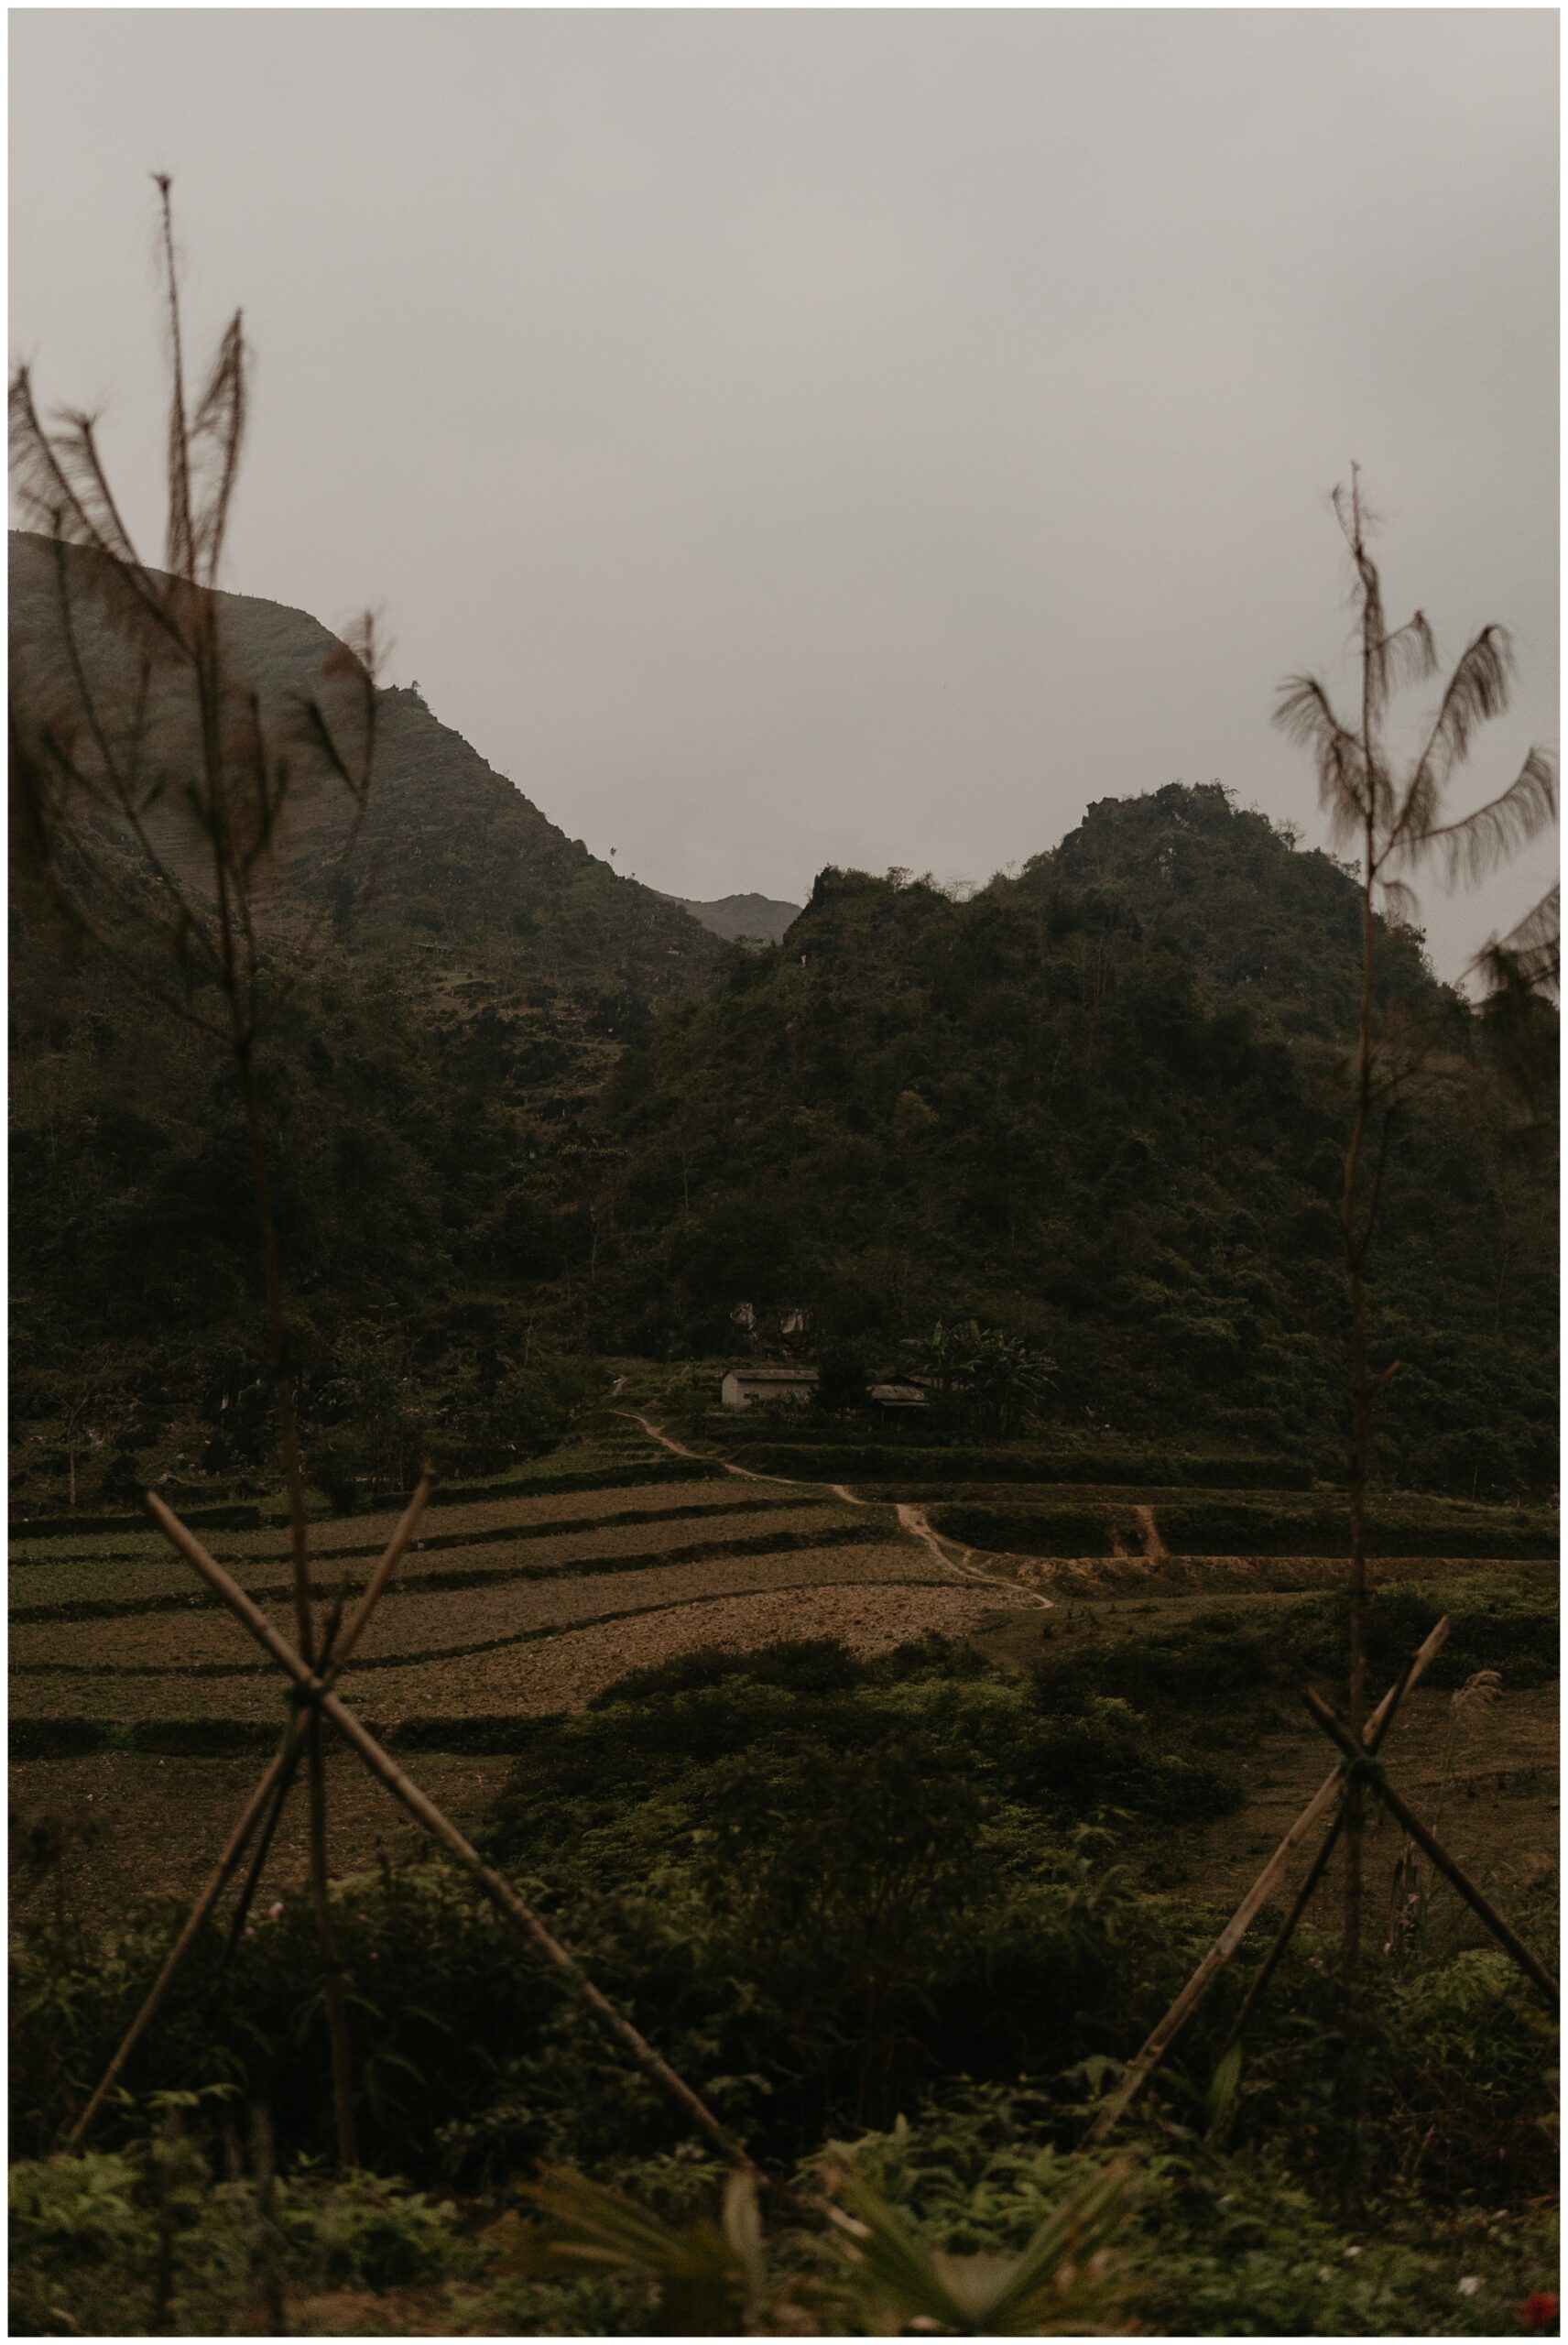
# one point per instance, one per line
(1399, 820)
(150, 789)
(1399, 823)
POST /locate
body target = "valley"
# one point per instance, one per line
(890, 1760)
(134, 1695)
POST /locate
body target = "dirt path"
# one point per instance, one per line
(911, 1518)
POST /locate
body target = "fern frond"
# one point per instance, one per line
(1477, 844)
(1476, 691)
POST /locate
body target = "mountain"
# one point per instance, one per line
(1101, 1106)
(455, 862)
(521, 1106)
(743, 919)
(464, 1002)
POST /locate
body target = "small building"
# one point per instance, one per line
(751, 1387)
(898, 1399)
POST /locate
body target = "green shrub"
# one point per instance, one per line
(363, 2232)
(810, 1459)
(85, 2244)
(1265, 1525)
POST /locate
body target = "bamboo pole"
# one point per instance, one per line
(1506, 1937)
(498, 1890)
(1314, 1873)
(263, 1848)
(294, 1483)
(238, 1840)
(1138, 2071)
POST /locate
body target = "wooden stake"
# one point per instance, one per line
(1337, 1731)
(1138, 2071)
(239, 1838)
(498, 1890)
(331, 1956)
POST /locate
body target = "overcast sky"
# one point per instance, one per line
(777, 437)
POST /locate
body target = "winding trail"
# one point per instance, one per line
(912, 1519)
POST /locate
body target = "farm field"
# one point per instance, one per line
(137, 1703)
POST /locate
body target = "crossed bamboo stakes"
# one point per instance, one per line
(1359, 1763)
(311, 1696)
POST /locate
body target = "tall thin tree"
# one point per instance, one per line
(1395, 811)
(150, 793)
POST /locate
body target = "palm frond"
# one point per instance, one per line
(1541, 930)
(1409, 656)
(1305, 714)
(178, 552)
(1528, 959)
(1475, 692)
(1481, 840)
(1356, 522)
(707, 2275)
(1063, 2283)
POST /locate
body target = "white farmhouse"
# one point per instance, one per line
(750, 1388)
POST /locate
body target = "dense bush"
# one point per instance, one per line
(1234, 1653)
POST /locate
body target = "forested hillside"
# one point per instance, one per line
(1100, 1105)
(467, 995)
(523, 1108)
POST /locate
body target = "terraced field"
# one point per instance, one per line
(512, 1604)
(133, 1690)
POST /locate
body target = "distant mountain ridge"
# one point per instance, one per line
(744, 919)
(452, 850)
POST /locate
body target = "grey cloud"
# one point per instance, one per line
(781, 436)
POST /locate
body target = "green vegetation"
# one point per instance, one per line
(1096, 1110)
(1100, 1110)
(888, 1910)
(1069, 1149)
(829, 1457)
(1248, 1654)
(1209, 1524)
